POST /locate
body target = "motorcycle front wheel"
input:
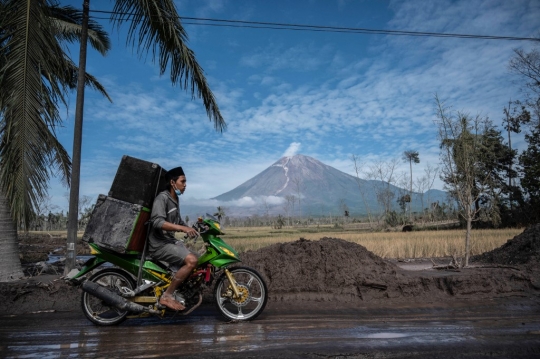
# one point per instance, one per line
(95, 309)
(252, 299)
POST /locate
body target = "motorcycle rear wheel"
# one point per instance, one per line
(95, 309)
(253, 294)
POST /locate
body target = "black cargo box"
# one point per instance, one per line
(138, 181)
(117, 225)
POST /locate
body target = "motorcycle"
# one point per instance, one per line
(133, 285)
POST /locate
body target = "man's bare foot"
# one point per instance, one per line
(171, 303)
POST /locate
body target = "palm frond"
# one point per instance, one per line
(155, 27)
(68, 21)
(32, 86)
(70, 77)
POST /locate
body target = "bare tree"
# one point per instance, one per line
(384, 172)
(420, 185)
(424, 184)
(361, 185)
(43, 208)
(83, 205)
(527, 64)
(344, 209)
(289, 206)
(266, 207)
(404, 193)
(461, 152)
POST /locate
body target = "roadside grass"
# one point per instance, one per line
(416, 244)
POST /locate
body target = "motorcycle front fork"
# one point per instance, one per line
(232, 282)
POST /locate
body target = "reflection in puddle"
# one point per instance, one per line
(386, 335)
(45, 351)
(216, 336)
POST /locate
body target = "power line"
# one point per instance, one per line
(356, 30)
(319, 28)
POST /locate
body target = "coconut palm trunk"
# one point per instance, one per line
(411, 156)
(10, 265)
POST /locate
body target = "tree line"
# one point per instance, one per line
(495, 184)
(492, 183)
(49, 217)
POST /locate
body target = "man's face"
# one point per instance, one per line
(180, 183)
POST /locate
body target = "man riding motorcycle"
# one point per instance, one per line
(166, 220)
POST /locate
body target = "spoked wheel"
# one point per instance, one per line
(95, 309)
(252, 299)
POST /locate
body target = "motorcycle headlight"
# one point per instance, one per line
(227, 251)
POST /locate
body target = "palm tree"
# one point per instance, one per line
(411, 156)
(220, 213)
(154, 27)
(35, 76)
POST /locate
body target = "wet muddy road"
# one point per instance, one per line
(509, 329)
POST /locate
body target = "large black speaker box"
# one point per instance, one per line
(138, 181)
(117, 225)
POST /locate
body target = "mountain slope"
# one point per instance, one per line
(320, 188)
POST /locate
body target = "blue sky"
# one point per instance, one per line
(322, 94)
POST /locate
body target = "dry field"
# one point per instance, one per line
(416, 244)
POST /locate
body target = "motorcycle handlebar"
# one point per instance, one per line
(194, 238)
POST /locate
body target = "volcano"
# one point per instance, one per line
(312, 187)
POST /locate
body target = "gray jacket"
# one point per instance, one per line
(164, 209)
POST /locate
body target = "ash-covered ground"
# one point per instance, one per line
(329, 271)
(334, 270)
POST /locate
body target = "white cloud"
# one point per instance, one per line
(259, 202)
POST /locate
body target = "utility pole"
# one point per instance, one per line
(73, 216)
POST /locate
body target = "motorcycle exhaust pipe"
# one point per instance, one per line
(114, 299)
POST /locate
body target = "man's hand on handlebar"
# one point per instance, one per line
(200, 227)
(190, 232)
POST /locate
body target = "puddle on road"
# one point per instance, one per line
(46, 350)
(386, 335)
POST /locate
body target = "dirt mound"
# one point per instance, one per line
(522, 249)
(330, 268)
(336, 270)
